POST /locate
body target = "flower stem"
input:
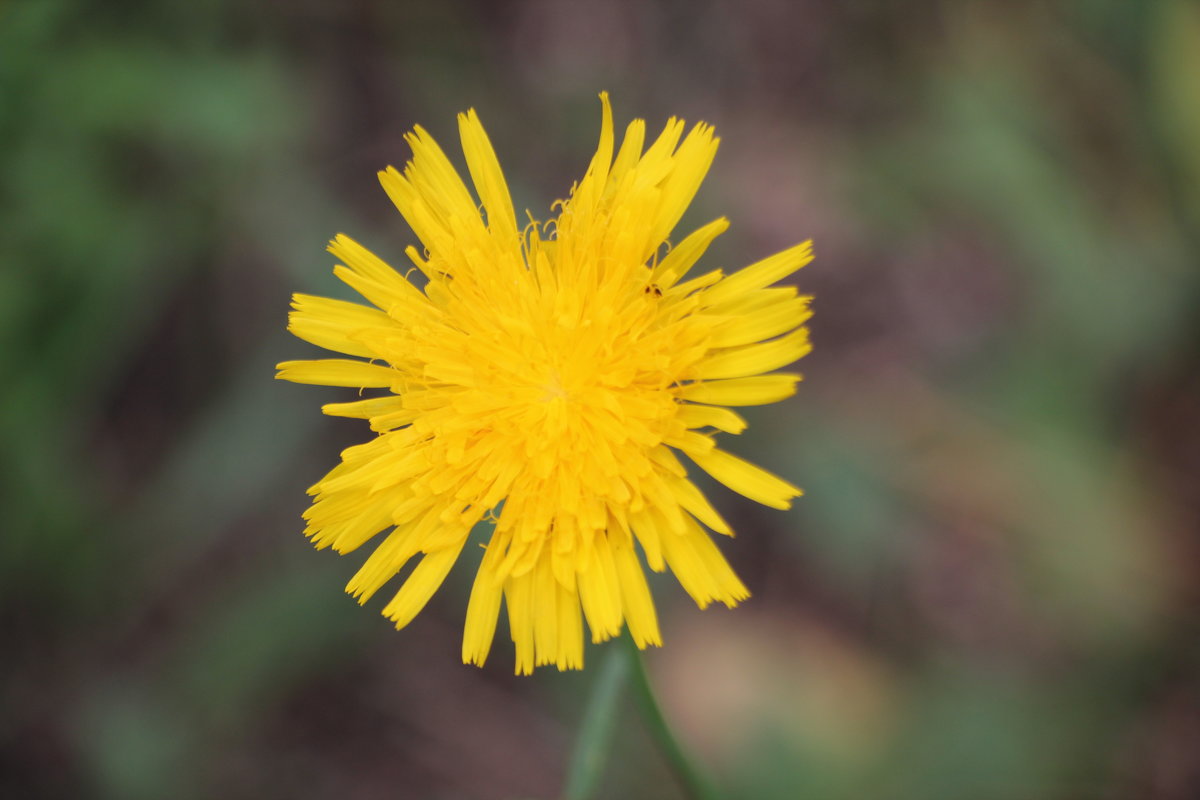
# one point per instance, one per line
(694, 782)
(596, 729)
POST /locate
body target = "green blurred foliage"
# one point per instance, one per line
(988, 590)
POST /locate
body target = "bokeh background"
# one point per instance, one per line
(990, 588)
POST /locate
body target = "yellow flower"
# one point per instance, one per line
(542, 380)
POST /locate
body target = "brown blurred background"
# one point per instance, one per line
(990, 588)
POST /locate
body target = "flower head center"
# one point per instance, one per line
(554, 388)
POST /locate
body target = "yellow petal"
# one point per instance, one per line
(756, 358)
(635, 594)
(361, 517)
(332, 323)
(760, 274)
(591, 188)
(690, 164)
(408, 202)
(377, 281)
(488, 177)
(630, 152)
(518, 598)
(600, 592)
(649, 536)
(337, 372)
(747, 479)
(421, 584)
(689, 496)
(483, 609)
(745, 328)
(383, 564)
(545, 613)
(699, 282)
(701, 569)
(731, 589)
(365, 409)
(656, 162)
(700, 416)
(676, 263)
(751, 391)
(435, 178)
(570, 629)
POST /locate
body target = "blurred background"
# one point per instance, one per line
(990, 588)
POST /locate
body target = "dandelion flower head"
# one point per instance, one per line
(543, 381)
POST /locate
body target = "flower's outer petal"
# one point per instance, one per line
(760, 324)
(701, 569)
(762, 273)
(332, 323)
(437, 181)
(483, 609)
(730, 589)
(747, 479)
(690, 163)
(518, 599)
(433, 199)
(635, 594)
(385, 413)
(757, 390)
(656, 164)
(422, 583)
(570, 628)
(692, 500)
(384, 563)
(756, 358)
(701, 416)
(545, 612)
(360, 517)
(587, 195)
(337, 372)
(628, 155)
(647, 531)
(675, 264)
(488, 177)
(371, 276)
(684, 290)
(365, 409)
(600, 591)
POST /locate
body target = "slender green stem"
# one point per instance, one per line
(694, 782)
(596, 730)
